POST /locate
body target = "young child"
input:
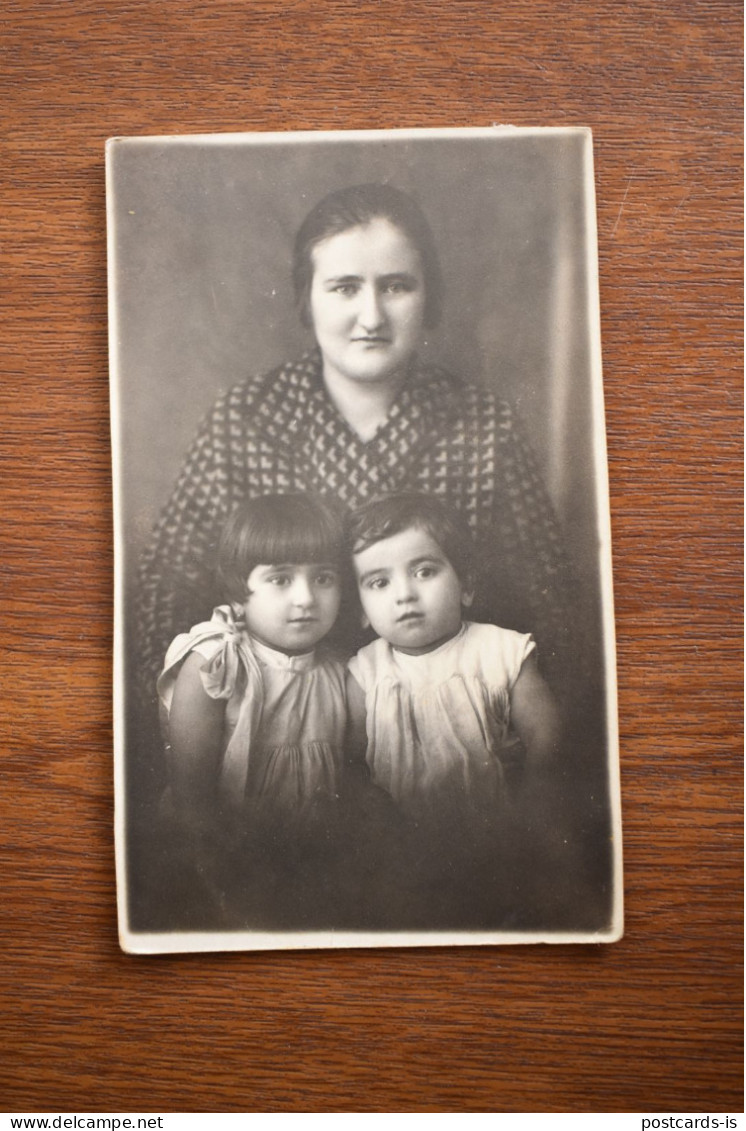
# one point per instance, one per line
(442, 703)
(255, 715)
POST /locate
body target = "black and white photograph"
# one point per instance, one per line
(365, 686)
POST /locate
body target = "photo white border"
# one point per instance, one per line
(145, 943)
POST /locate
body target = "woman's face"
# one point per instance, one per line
(367, 302)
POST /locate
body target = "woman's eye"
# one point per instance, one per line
(400, 286)
(426, 571)
(346, 290)
(280, 581)
(377, 583)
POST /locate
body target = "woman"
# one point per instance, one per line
(360, 415)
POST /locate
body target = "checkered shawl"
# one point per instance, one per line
(279, 432)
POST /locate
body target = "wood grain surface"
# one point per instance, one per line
(652, 1023)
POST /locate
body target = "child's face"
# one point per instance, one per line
(410, 592)
(292, 607)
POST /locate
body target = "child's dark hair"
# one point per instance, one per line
(391, 514)
(277, 530)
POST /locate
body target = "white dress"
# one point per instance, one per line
(438, 724)
(285, 717)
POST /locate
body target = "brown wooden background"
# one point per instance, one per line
(652, 1023)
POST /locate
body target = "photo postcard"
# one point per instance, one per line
(364, 671)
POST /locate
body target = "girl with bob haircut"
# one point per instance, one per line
(255, 712)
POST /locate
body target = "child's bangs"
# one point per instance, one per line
(389, 515)
(303, 532)
(276, 530)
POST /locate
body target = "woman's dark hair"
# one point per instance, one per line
(277, 530)
(355, 206)
(391, 514)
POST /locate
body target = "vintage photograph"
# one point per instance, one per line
(364, 644)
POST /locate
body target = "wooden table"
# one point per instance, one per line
(650, 1024)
